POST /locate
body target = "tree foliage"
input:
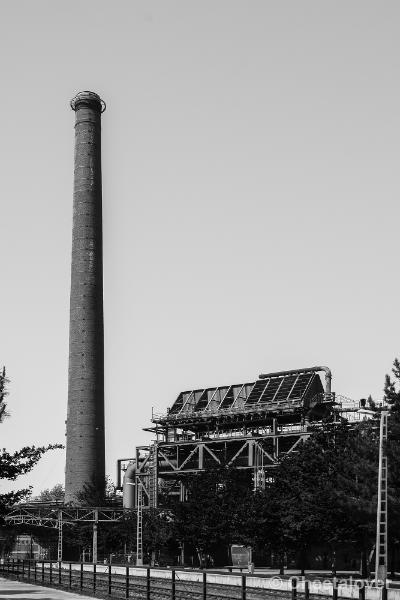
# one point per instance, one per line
(95, 494)
(392, 391)
(3, 394)
(55, 494)
(392, 396)
(14, 464)
(217, 512)
(326, 492)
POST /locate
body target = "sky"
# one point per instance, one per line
(251, 201)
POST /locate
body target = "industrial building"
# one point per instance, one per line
(250, 425)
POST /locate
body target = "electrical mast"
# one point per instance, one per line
(381, 513)
(139, 527)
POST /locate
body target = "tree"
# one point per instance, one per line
(55, 494)
(326, 492)
(3, 394)
(392, 392)
(93, 495)
(16, 463)
(392, 397)
(217, 510)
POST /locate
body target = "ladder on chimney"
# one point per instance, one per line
(381, 513)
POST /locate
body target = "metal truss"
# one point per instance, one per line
(56, 516)
(257, 444)
(249, 426)
(165, 464)
(50, 515)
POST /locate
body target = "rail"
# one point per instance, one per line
(251, 409)
(177, 584)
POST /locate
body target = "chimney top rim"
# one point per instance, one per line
(87, 98)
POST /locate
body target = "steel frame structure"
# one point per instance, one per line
(381, 545)
(249, 426)
(57, 515)
(171, 461)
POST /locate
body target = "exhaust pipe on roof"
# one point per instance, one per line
(327, 371)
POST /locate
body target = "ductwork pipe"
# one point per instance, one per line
(129, 487)
(327, 371)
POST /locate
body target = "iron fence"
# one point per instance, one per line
(103, 581)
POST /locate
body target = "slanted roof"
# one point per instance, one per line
(277, 393)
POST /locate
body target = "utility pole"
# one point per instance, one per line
(139, 527)
(95, 528)
(60, 536)
(381, 513)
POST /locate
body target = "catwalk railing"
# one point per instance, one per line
(177, 584)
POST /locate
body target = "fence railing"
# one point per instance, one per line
(116, 582)
(177, 584)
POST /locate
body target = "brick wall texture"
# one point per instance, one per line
(85, 417)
